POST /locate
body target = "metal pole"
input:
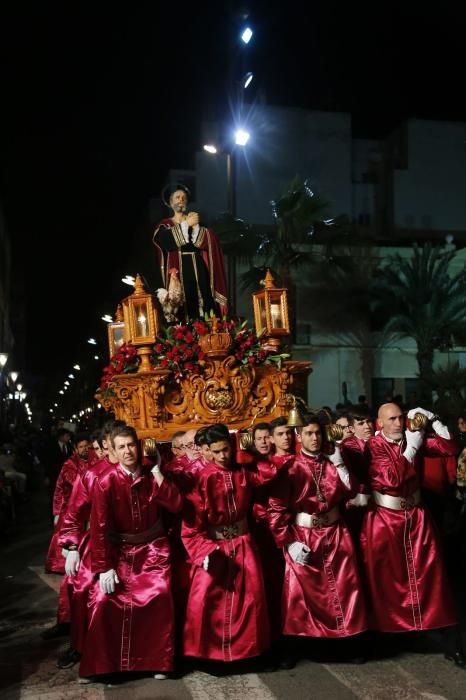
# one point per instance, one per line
(231, 194)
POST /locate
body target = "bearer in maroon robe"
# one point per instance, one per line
(226, 617)
(355, 455)
(75, 539)
(322, 593)
(402, 555)
(131, 617)
(194, 251)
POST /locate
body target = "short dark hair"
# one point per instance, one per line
(81, 437)
(359, 415)
(277, 423)
(260, 426)
(344, 414)
(123, 431)
(312, 419)
(216, 433)
(199, 438)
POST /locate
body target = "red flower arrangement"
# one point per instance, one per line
(180, 350)
(124, 361)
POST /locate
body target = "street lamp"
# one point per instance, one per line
(19, 387)
(13, 376)
(77, 367)
(246, 35)
(242, 137)
(247, 79)
(3, 359)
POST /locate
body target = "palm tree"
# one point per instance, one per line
(418, 298)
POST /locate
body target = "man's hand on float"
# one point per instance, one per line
(192, 218)
(428, 414)
(108, 580)
(72, 562)
(437, 425)
(299, 552)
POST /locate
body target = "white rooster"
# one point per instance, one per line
(171, 299)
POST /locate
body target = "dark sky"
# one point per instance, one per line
(99, 102)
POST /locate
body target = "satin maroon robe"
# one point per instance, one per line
(356, 456)
(133, 628)
(226, 617)
(323, 598)
(71, 469)
(74, 532)
(401, 551)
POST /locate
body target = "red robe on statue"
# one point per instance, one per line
(71, 469)
(226, 617)
(131, 629)
(169, 255)
(324, 597)
(402, 554)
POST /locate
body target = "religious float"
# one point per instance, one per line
(192, 374)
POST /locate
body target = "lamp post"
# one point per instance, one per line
(3, 361)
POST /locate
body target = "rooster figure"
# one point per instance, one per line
(171, 299)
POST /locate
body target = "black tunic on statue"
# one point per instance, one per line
(194, 274)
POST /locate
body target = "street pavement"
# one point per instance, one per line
(28, 668)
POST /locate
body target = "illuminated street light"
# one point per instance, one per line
(96, 357)
(67, 382)
(3, 359)
(92, 341)
(242, 137)
(210, 148)
(14, 376)
(19, 387)
(71, 376)
(50, 410)
(76, 367)
(61, 392)
(247, 80)
(107, 318)
(246, 35)
(56, 405)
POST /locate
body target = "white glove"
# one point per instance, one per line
(299, 552)
(72, 562)
(64, 553)
(412, 412)
(336, 457)
(55, 519)
(205, 563)
(413, 443)
(441, 429)
(108, 580)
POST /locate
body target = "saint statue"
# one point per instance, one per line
(191, 264)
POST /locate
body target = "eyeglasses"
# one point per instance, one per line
(188, 446)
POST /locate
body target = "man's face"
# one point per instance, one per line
(391, 421)
(188, 445)
(262, 441)
(179, 201)
(126, 449)
(177, 447)
(221, 453)
(66, 437)
(82, 449)
(98, 450)
(347, 428)
(461, 425)
(311, 438)
(363, 429)
(282, 438)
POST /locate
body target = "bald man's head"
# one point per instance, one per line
(391, 420)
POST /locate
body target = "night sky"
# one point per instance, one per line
(98, 103)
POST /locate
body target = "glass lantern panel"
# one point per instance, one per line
(142, 319)
(276, 314)
(118, 337)
(262, 314)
